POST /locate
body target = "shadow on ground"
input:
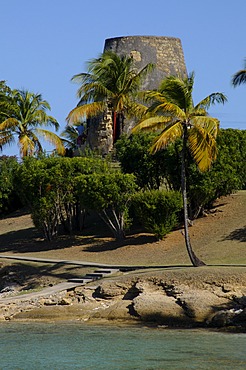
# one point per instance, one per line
(115, 244)
(28, 276)
(238, 234)
(30, 240)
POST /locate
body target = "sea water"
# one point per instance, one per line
(54, 346)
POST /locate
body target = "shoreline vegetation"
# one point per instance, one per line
(177, 296)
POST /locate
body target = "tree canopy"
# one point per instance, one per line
(23, 117)
(111, 83)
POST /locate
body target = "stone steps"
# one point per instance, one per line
(98, 274)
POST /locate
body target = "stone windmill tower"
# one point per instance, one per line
(167, 55)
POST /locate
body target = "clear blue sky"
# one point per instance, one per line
(43, 43)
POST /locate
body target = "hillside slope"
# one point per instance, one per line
(219, 238)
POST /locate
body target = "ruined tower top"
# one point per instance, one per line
(165, 52)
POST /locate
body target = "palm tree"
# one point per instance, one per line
(110, 84)
(22, 113)
(69, 137)
(239, 77)
(173, 113)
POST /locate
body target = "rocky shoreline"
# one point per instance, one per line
(185, 298)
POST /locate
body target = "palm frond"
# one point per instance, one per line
(178, 91)
(133, 80)
(210, 100)
(8, 124)
(27, 145)
(135, 109)
(93, 92)
(161, 105)
(152, 124)
(239, 78)
(83, 78)
(210, 124)
(202, 141)
(168, 109)
(69, 136)
(170, 133)
(151, 95)
(88, 110)
(53, 139)
(6, 138)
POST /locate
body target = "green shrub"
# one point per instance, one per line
(157, 210)
(109, 194)
(9, 200)
(134, 157)
(48, 188)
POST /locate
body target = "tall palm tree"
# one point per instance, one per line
(23, 114)
(173, 113)
(239, 77)
(111, 83)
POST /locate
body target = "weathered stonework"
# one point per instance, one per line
(167, 55)
(100, 133)
(165, 52)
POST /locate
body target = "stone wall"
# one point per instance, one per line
(165, 52)
(100, 133)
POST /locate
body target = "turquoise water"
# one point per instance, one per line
(77, 346)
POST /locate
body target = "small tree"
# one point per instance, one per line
(109, 194)
(48, 187)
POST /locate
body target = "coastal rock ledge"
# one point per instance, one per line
(188, 297)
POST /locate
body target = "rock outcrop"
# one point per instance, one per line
(179, 298)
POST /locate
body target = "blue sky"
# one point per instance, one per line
(44, 43)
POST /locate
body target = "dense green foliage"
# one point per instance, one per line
(135, 158)
(227, 174)
(48, 187)
(232, 152)
(59, 190)
(109, 194)
(158, 210)
(9, 200)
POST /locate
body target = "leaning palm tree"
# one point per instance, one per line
(239, 77)
(174, 115)
(23, 114)
(110, 84)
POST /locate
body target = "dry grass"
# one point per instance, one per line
(218, 239)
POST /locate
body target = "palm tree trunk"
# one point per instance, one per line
(194, 259)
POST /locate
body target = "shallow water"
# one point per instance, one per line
(77, 346)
